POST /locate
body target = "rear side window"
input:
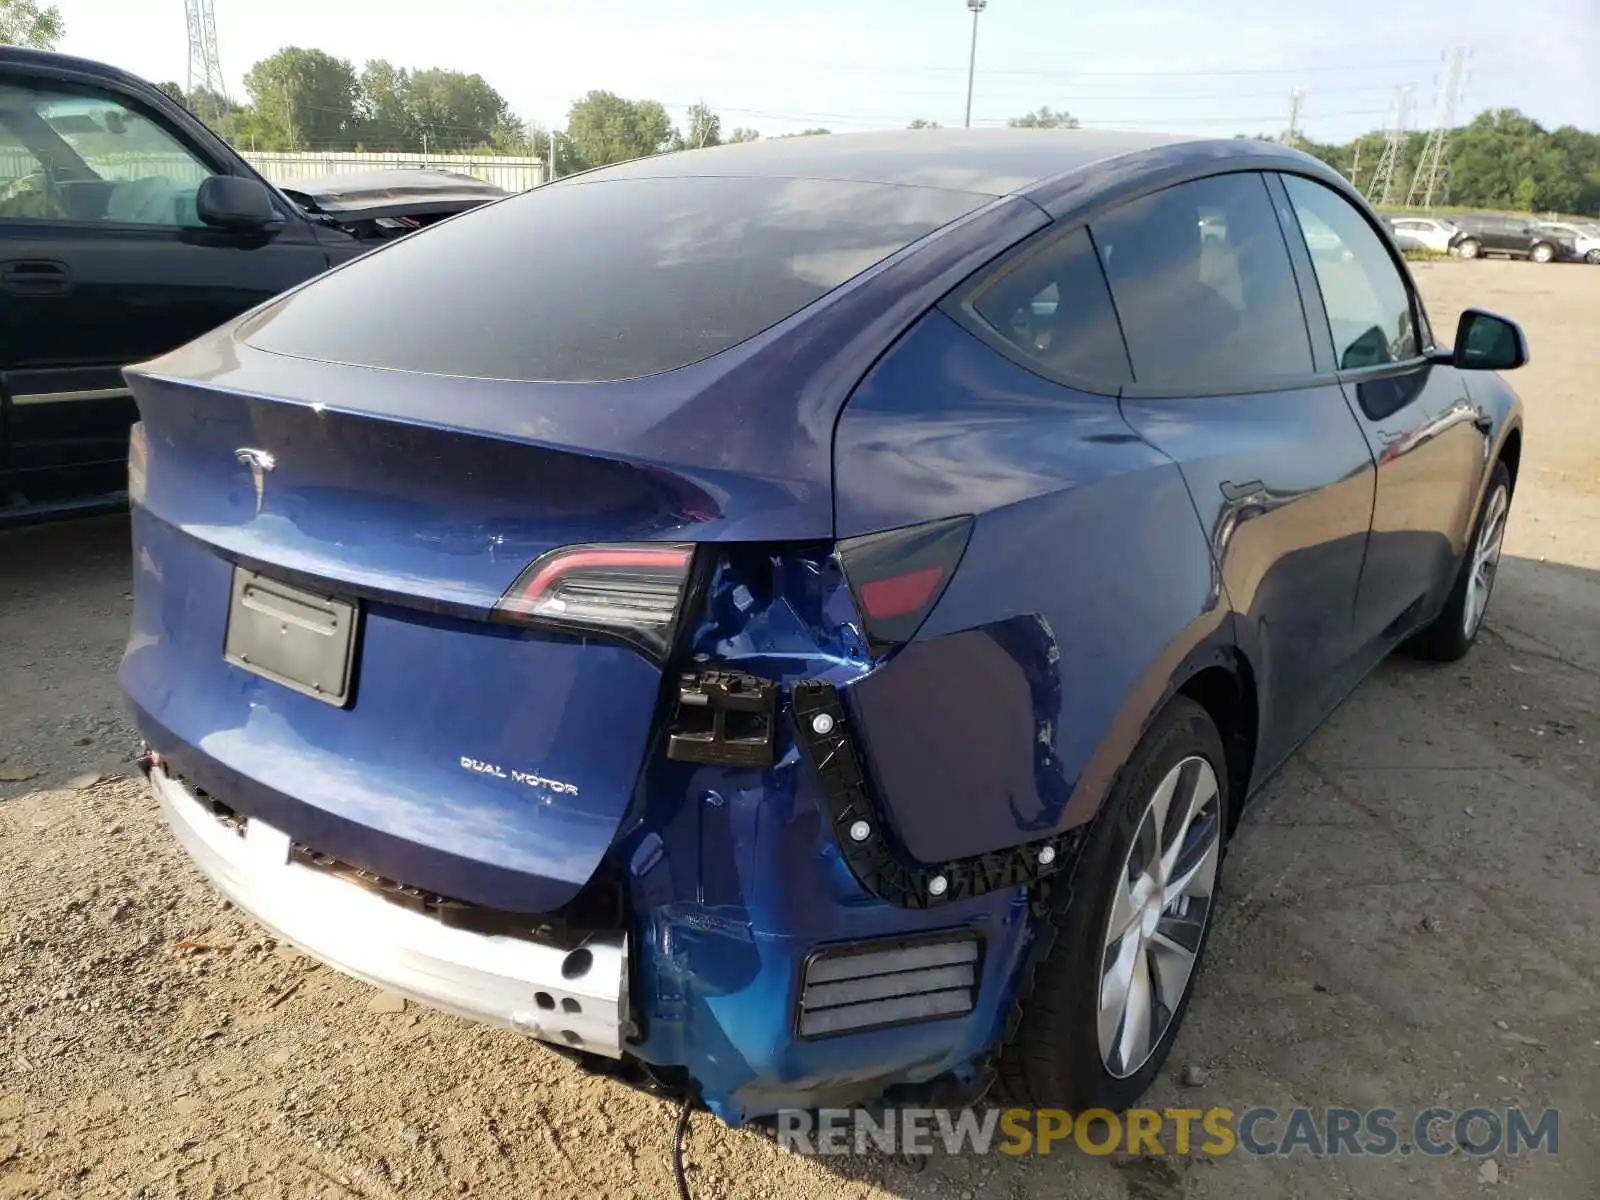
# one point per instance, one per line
(610, 279)
(1053, 307)
(1369, 306)
(1203, 285)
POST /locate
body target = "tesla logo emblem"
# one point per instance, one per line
(259, 462)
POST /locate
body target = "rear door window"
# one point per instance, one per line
(1052, 307)
(1203, 286)
(606, 279)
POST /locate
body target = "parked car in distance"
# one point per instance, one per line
(127, 228)
(1422, 233)
(382, 205)
(1585, 237)
(722, 659)
(1512, 237)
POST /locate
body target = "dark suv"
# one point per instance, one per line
(1514, 237)
(127, 228)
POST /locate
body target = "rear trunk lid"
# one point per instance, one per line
(477, 759)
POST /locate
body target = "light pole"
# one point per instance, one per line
(977, 6)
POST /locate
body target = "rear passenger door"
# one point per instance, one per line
(1429, 438)
(1228, 382)
(1504, 237)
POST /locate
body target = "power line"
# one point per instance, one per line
(890, 68)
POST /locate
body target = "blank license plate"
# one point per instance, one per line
(302, 639)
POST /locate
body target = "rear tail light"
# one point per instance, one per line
(631, 592)
(898, 576)
(138, 462)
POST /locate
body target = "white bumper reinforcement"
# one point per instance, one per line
(574, 998)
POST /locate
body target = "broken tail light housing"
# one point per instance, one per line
(896, 577)
(631, 592)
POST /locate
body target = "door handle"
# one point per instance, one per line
(35, 277)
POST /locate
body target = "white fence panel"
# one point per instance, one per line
(283, 167)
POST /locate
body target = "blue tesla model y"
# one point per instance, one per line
(804, 616)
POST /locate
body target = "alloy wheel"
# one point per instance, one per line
(1159, 912)
(1543, 254)
(1485, 559)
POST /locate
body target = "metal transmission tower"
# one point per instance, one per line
(1297, 100)
(1433, 169)
(1381, 189)
(205, 66)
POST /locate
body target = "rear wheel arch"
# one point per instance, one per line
(1511, 454)
(1226, 689)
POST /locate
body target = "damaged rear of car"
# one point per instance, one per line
(598, 648)
(380, 205)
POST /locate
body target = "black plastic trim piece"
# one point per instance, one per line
(837, 950)
(725, 717)
(822, 732)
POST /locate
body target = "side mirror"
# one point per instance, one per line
(237, 205)
(1485, 342)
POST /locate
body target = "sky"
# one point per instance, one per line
(780, 66)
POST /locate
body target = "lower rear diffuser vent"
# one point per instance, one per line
(849, 989)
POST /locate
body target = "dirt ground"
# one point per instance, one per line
(1411, 917)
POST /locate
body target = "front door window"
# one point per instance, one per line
(84, 156)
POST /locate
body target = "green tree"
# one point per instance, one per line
(807, 132)
(741, 134)
(387, 122)
(704, 128)
(1526, 194)
(1044, 118)
(456, 110)
(215, 109)
(24, 23)
(302, 98)
(921, 123)
(604, 128)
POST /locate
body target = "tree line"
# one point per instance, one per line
(1502, 159)
(308, 99)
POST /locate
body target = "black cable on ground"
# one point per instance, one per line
(690, 1099)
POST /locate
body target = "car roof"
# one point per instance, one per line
(993, 162)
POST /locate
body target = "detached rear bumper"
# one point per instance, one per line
(574, 998)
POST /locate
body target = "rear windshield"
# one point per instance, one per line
(611, 279)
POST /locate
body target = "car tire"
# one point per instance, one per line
(1593, 258)
(1469, 248)
(1451, 634)
(1542, 253)
(1055, 1057)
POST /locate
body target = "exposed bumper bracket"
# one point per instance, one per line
(724, 717)
(822, 731)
